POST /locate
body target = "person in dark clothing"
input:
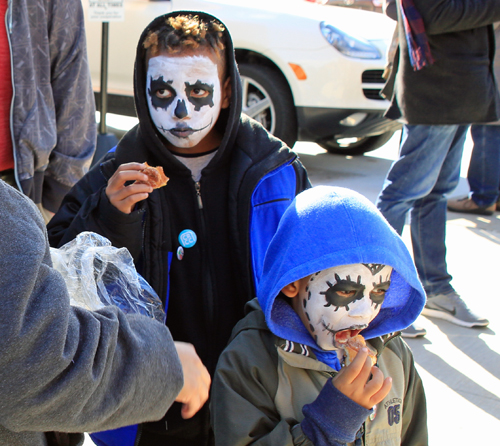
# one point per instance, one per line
(200, 240)
(442, 81)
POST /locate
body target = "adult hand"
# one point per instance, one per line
(123, 197)
(355, 383)
(196, 380)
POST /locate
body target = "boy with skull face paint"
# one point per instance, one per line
(200, 240)
(334, 268)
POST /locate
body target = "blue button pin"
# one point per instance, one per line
(187, 238)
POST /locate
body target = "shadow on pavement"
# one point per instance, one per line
(486, 226)
(469, 342)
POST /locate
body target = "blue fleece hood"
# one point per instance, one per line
(333, 226)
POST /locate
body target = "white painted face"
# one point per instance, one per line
(184, 97)
(337, 303)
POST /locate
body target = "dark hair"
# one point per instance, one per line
(186, 32)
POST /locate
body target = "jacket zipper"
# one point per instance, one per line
(197, 188)
(210, 297)
(8, 25)
(138, 435)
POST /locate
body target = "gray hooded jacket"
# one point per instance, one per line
(53, 112)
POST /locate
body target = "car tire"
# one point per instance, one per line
(358, 147)
(267, 99)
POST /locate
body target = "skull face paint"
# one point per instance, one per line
(337, 303)
(184, 97)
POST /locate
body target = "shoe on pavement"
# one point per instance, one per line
(452, 308)
(413, 331)
(466, 205)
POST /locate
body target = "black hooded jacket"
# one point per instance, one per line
(233, 210)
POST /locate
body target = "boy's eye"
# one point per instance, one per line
(163, 93)
(343, 293)
(199, 93)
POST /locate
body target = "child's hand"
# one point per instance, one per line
(353, 382)
(122, 197)
(197, 380)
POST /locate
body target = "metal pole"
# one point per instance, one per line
(104, 78)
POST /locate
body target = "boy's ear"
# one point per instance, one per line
(292, 289)
(226, 93)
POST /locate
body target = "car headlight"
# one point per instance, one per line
(348, 45)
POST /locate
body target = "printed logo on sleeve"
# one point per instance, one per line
(393, 408)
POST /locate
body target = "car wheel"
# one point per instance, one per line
(267, 99)
(356, 146)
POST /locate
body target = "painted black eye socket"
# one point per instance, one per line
(377, 295)
(200, 94)
(161, 92)
(343, 293)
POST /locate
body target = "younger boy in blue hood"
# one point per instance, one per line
(335, 268)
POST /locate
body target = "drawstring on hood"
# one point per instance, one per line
(333, 226)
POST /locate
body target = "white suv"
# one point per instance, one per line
(309, 72)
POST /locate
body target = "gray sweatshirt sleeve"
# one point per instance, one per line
(64, 368)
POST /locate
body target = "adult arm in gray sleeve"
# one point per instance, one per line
(64, 368)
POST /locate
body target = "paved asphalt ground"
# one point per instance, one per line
(460, 367)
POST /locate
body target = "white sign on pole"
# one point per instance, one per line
(106, 11)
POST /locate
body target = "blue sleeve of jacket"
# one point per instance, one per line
(271, 197)
(332, 419)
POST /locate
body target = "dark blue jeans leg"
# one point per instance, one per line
(428, 166)
(428, 221)
(484, 168)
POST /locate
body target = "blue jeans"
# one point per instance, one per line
(484, 168)
(427, 169)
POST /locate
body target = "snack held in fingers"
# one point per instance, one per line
(156, 176)
(353, 346)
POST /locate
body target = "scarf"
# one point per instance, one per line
(418, 45)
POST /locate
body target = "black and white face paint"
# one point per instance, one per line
(339, 302)
(184, 97)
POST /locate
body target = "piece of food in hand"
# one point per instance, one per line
(354, 345)
(156, 176)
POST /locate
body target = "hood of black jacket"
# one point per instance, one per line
(229, 118)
